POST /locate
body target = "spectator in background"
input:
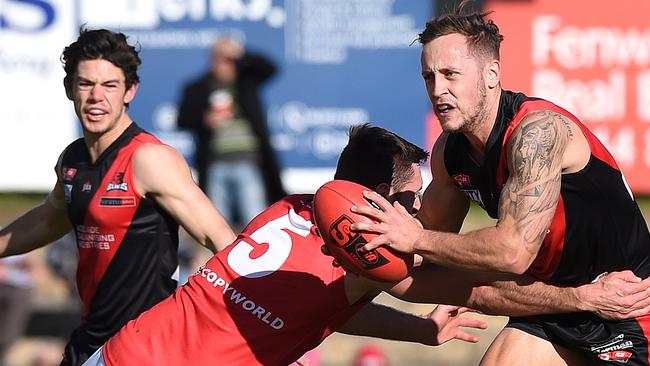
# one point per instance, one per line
(236, 164)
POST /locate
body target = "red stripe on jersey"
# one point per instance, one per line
(108, 219)
(550, 253)
(644, 323)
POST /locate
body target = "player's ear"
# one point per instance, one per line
(493, 74)
(130, 93)
(383, 189)
(67, 84)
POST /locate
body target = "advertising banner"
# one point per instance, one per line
(341, 62)
(36, 120)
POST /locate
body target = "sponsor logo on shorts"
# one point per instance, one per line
(620, 356)
(614, 349)
(237, 298)
(117, 201)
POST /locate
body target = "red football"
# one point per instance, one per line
(333, 217)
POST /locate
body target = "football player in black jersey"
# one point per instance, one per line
(565, 214)
(122, 191)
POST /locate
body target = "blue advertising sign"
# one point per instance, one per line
(341, 62)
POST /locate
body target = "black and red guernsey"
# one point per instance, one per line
(597, 226)
(127, 244)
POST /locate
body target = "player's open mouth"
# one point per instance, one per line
(95, 114)
(444, 108)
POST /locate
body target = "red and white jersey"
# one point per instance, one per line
(265, 300)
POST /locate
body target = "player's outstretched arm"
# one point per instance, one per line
(163, 175)
(443, 324)
(38, 227)
(616, 295)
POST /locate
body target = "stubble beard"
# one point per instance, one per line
(479, 114)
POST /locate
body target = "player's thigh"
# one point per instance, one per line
(516, 347)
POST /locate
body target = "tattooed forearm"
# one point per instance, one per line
(535, 153)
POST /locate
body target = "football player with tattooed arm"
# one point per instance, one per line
(565, 213)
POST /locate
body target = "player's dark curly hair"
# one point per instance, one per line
(482, 35)
(375, 155)
(102, 44)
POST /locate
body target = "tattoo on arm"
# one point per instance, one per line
(535, 153)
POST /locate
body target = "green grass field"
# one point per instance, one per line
(14, 204)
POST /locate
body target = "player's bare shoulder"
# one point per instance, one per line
(549, 137)
(538, 141)
(437, 159)
(438, 149)
(154, 164)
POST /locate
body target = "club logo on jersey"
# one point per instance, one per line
(87, 187)
(117, 183)
(69, 173)
(614, 349)
(462, 180)
(117, 201)
(67, 190)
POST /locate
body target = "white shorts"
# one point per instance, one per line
(97, 359)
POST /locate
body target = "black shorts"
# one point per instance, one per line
(602, 342)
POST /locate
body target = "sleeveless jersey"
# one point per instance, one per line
(127, 244)
(266, 299)
(597, 226)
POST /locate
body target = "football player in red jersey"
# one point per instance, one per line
(272, 295)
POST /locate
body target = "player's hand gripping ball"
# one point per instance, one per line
(333, 217)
